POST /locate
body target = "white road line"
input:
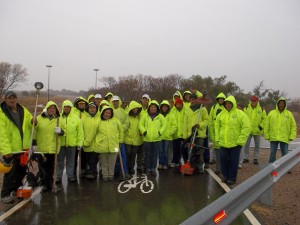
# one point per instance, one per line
(246, 212)
(20, 204)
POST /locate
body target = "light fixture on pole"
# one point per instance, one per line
(49, 67)
(96, 78)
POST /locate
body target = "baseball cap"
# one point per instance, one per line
(10, 93)
(254, 98)
(98, 96)
(146, 96)
(115, 98)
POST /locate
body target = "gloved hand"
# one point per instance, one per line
(57, 130)
(145, 133)
(260, 127)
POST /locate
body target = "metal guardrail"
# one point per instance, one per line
(228, 207)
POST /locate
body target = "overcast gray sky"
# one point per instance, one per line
(249, 41)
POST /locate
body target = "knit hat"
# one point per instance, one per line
(254, 98)
(10, 93)
(178, 101)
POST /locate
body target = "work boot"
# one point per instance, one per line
(8, 199)
(255, 161)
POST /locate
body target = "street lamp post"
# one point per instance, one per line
(49, 67)
(96, 78)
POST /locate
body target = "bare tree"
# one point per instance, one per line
(11, 76)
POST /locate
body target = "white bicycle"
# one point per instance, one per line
(146, 185)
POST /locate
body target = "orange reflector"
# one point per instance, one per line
(275, 174)
(220, 216)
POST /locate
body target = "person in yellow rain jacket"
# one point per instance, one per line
(109, 135)
(46, 137)
(257, 116)
(15, 127)
(214, 111)
(70, 142)
(167, 136)
(121, 115)
(80, 104)
(280, 128)
(178, 111)
(232, 128)
(145, 103)
(132, 138)
(152, 126)
(190, 125)
(90, 123)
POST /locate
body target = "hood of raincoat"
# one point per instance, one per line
(104, 109)
(133, 105)
(45, 113)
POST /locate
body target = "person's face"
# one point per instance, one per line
(92, 99)
(92, 109)
(176, 97)
(164, 108)
(124, 104)
(115, 104)
(178, 106)
(81, 105)
(254, 103)
(67, 109)
(281, 105)
(135, 110)
(220, 100)
(187, 97)
(193, 101)
(228, 105)
(98, 101)
(145, 101)
(11, 101)
(152, 109)
(108, 98)
(107, 114)
(51, 110)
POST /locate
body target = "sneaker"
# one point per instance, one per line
(72, 179)
(159, 167)
(240, 166)
(153, 173)
(165, 167)
(212, 161)
(90, 176)
(105, 178)
(230, 182)
(172, 165)
(45, 188)
(58, 180)
(110, 178)
(245, 160)
(131, 171)
(8, 199)
(206, 166)
(255, 161)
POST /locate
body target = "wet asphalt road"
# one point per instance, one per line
(173, 199)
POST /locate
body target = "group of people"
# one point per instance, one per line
(111, 138)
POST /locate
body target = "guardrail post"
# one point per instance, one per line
(266, 197)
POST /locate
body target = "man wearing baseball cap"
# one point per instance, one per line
(15, 127)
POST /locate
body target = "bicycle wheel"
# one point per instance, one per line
(122, 186)
(147, 186)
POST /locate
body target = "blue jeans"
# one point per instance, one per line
(256, 139)
(229, 158)
(164, 153)
(67, 153)
(284, 147)
(151, 154)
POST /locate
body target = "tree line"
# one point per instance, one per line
(132, 87)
